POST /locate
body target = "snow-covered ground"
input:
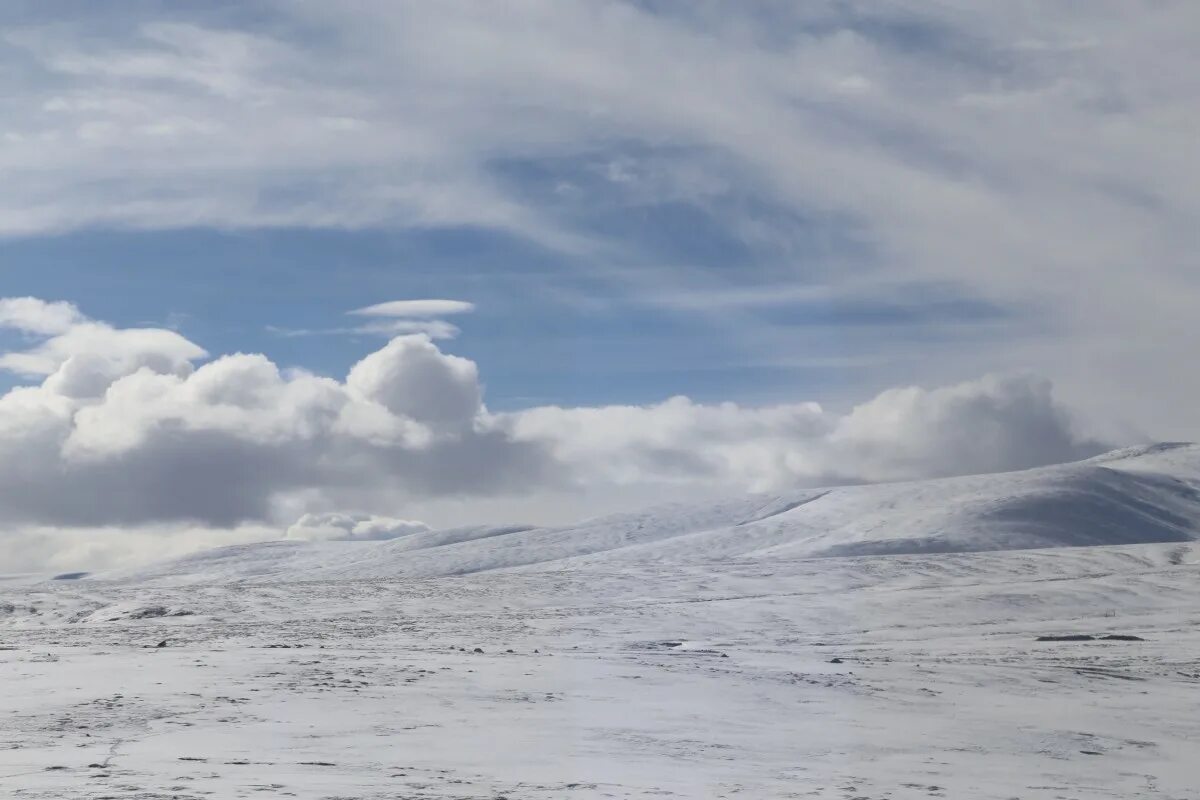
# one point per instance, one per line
(858, 642)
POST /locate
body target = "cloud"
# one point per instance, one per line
(133, 428)
(416, 308)
(396, 318)
(993, 424)
(839, 144)
(433, 328)
(413, 379)
(43, 550)
(351, 527)
(31, 315)
(82, 357)
(988, 425)
(141, 432)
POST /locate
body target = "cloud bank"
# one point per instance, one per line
(993, 424)
(138, 427)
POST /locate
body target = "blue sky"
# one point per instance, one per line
(905, 213)
(548, 332)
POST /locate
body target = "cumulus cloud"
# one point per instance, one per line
(32, 315)
(335, 526)
(988, 425)
(412, 378)
(134, 427)
(81, 356)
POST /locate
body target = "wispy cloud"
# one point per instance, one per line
(393, 318)
(1039, 162)
(415, 308)
(433, 328)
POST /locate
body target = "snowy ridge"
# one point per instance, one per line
(1134, 496)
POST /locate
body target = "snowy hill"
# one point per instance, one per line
(754, 647)
(1133, 496)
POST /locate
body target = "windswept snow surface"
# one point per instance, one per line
(860, 642)
(1134, 496)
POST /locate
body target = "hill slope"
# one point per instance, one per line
(1133, 496)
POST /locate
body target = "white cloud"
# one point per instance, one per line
(906, 124)
(32, 315)
(49, 550)
(335, 526)
(82, 357)
(396, 318)
(992, 424)
(132, 428)
(433, 328)
(412, 378)
(988, 425)
(140, 433)
(416, 308)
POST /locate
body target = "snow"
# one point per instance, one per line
(853, 642)
(1140, 495)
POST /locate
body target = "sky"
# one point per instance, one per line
(315, 270)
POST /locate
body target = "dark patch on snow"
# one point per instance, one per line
(783, 509)
(70, 576)
(1086, 637)
(1067, 637)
